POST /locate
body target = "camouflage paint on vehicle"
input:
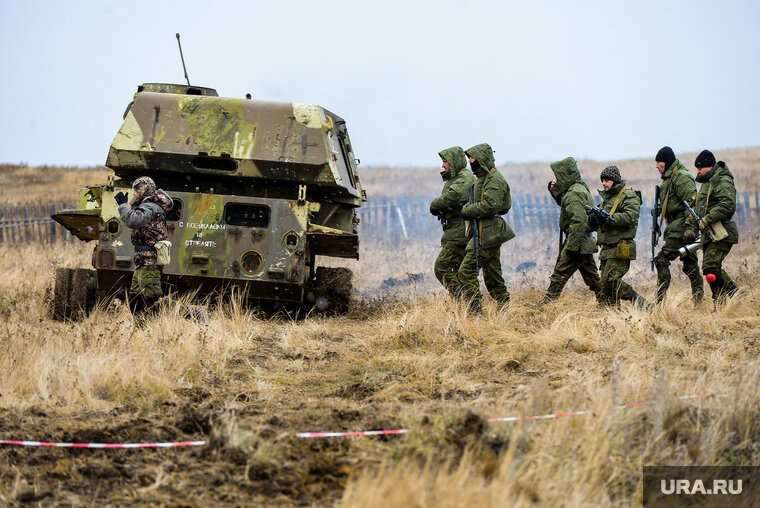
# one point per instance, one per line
(259, 188)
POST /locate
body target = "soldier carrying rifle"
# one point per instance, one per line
(491, 200)
(616, 236)
(677, 186)
(448, 208)
(715, 204)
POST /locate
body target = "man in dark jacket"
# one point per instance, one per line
(677, 186)
(491, 200)
(448, 208)
(617, 238)
(716, 204)
(577, 251)
(146, 217)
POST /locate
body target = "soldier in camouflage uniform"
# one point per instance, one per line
(577, 252)
(716, 202)
(448, 208)
(491, 200)
(146, 217)
(617, 239)
(677, 186)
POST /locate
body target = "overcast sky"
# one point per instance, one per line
(538, 80)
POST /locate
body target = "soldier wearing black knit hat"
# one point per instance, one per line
(677, 186)
(715, 204)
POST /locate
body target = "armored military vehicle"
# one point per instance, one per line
(260, 190)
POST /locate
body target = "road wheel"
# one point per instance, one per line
(333, 289)
(73, 294)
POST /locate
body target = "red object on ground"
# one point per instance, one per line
(710, 278)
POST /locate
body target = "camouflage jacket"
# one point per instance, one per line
(492, 200)
(572, 195)
(682, 187)
(457, 182)
(626, 219)
(716, 200)
(147, 220)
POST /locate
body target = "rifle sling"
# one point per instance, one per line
(617, 201)
(482, 194)
(667, 194)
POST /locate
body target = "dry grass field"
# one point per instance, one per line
(406, 357)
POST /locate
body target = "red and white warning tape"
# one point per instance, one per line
(103, 445)
(492, 420)
(359, 433)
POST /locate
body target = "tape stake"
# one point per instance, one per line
(176, 444)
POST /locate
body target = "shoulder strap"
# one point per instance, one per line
(483, 189)
(617, 201)
(667, 194)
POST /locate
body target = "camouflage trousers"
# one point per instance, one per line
(614, 288)
(467, 285)
(145, 289)
(447, 265)
(712, 263)
(566, 267)
(690, 267)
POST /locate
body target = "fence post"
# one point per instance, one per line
(51, 231)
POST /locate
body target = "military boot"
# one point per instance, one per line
(474, 308)
(640, 302)
(546, 299)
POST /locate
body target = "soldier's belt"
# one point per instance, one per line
(145, 248)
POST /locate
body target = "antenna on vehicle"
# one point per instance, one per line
(183, 60)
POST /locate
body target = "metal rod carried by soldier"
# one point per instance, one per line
(491, 200)
(577, 244)
(457, 180)
(715, 205)
(677, 186)
(616, 224)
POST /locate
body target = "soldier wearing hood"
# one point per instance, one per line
(577, 251)
(716, 203)
(677, 186)
(617, 238)
(448, 208)
(146, 217)
(491, 200)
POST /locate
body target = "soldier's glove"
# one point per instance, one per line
(575, 256)
(702, 224)
(691, 220)
(465, 213)
(434, 212)
(689, 236)
(120, 198)
(595, 220)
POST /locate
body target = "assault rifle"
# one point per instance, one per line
(475, 232)
(598, 217)
(655, 212)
